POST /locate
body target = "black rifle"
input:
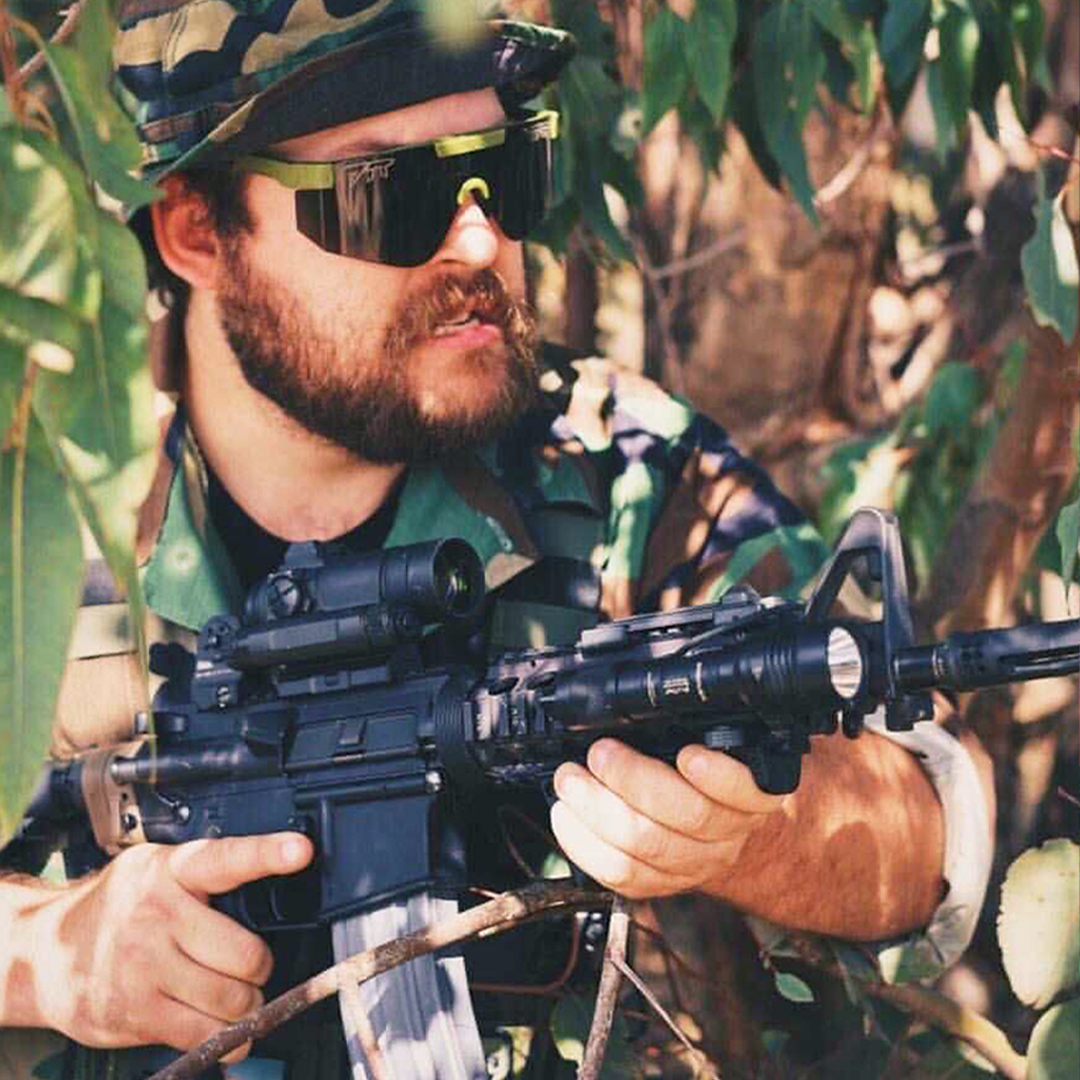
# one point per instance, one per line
(316, 712)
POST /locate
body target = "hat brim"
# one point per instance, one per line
(369, 78)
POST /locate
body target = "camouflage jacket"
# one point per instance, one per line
(647, 501)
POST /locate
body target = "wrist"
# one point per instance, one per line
(751, 875)
(26, 903)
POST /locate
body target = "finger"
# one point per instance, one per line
(723, 779)
(623, 827)
(659, 792)
(183, 1027)
(609, 865)
(217, 996)
(208, 867)
(213, 940)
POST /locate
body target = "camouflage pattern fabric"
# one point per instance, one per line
(648, 498)
(203, 79)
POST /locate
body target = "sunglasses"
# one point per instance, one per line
(396, 206)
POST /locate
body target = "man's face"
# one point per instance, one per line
(394, 364)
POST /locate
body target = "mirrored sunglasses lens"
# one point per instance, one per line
(317, 219)
(523, 186)
(394, 210)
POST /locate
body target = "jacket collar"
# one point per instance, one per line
(484, 498)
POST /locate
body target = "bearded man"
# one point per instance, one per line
(351, 358)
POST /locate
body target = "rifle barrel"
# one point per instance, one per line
(969, 661)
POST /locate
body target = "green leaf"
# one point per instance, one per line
(839, 72)
(744, 114)
(554, 231)
(952, 398)
(909, 961)
(1049, 263)
(40, 254)
(587, 90)
(997, 62)
(1028, 24)
(959, 38)
(834, 17)
(592, 34)
(774, 1041)
(1068, 536)
(947, 1059)
(25, 320)
(903, 33)
(712, 34)
(40, 581)
(944, 125)
(788, 63)
(570, 1022)
(793, 988)
(595, 214)
(12, 363)
(666, 73)
(100, 420)
(123, 267)
(698, 124)
(1054, 1049)
(1039, 922)
(108, 144)
(866, 61)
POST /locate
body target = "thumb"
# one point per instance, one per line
(208, 867)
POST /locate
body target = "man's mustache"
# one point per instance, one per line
(455, 297)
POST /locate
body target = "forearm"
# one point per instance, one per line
(22, 899)
(855, 852)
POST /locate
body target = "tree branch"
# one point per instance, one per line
(540, 899)
(610, 977)
(63, 32)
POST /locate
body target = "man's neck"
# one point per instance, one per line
(294, 484)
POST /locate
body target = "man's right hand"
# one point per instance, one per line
(135, 955)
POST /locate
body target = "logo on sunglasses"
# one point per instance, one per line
(370, 171)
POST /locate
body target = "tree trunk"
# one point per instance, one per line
(762, 319)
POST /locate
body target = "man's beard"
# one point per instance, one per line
(370, 403)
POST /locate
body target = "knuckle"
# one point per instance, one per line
(147, 1024)
(649, 840)
(619, 872)
(254, 959)
(235, 1000)
(700, 820)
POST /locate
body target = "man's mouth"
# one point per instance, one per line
(466, 322)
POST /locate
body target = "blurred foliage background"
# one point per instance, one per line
(847, 230)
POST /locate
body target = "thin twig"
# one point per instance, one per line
(666, 301)
(538, 899)
(63, 32)
(652, 999)
(698, 259)
(834, 188)
(1068, 796)
(610, 977)
(359, 1026)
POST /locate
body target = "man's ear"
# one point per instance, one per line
(185, 235)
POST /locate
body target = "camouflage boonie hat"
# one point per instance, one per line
(206, 80)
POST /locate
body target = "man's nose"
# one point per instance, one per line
(473, 239)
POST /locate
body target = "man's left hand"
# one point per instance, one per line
(643, 828)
